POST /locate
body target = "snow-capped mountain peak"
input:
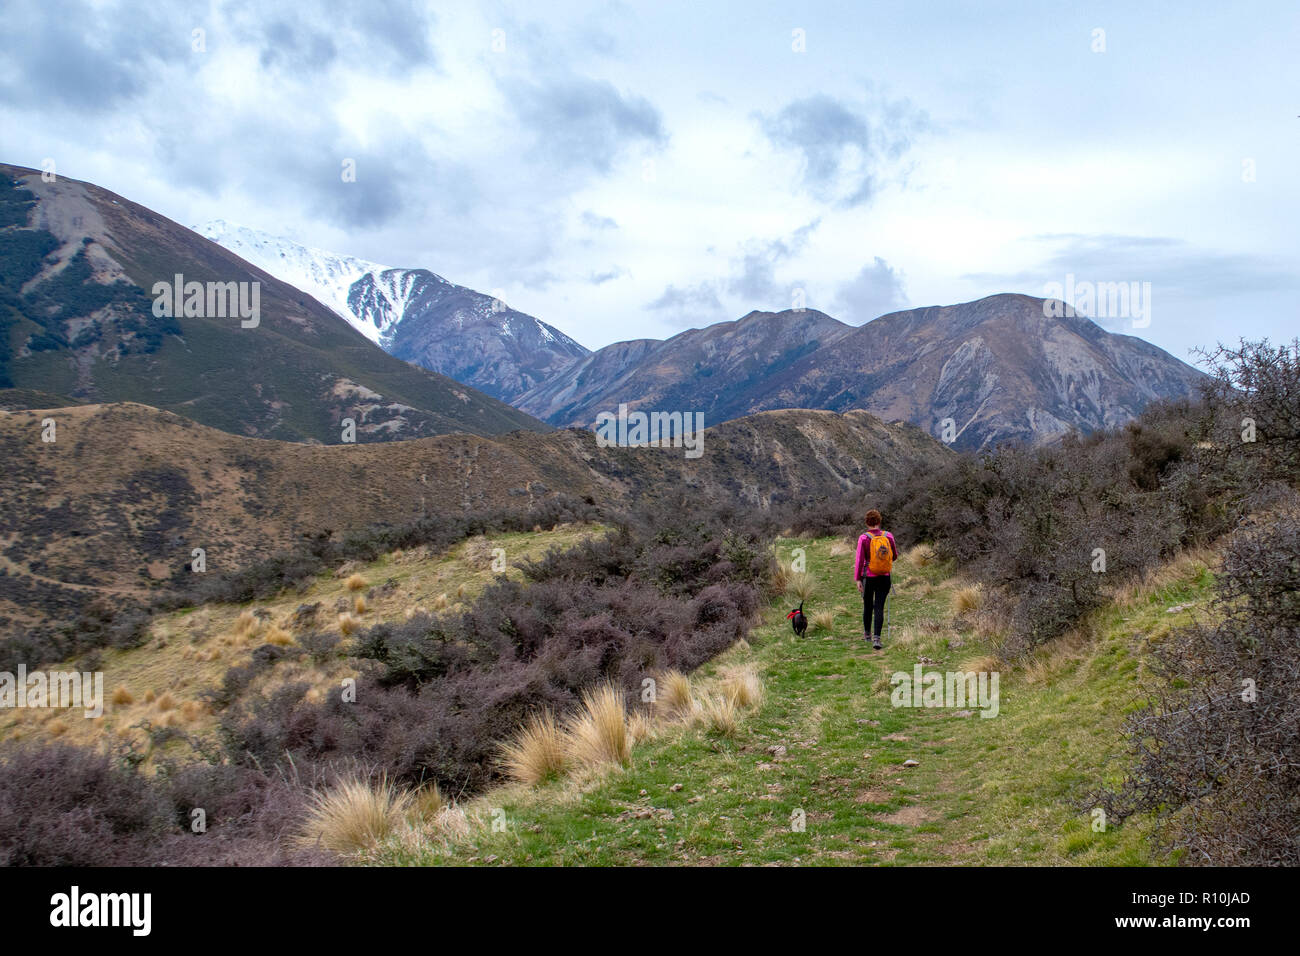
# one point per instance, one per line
(414, 314)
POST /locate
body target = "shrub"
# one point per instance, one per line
(67, 806)
(1216, 748)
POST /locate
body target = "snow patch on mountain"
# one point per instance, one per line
(325, 276)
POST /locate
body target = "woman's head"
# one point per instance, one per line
(873, 518)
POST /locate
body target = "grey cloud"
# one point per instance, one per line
(85, 58)
(310, 37)
(844, 148)
(755, 280)
(701, 297)
(876, 290)
(1175, 268)
(578, 122)
(593, 221)
(600, 278)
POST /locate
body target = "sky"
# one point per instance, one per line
(626, 170)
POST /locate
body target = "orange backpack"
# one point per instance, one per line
(880, 558)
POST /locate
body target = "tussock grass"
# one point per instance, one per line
(597, 734)
(537, 751)
(440, 602)
(348, 625)
(427, 803)
(192, 710)
(166, 702)
(122, 697)
(719, 715)
(780, 578)
(823, 621)
(246, 623)
(922, 555)
(743, 687)
(801, 586)
(57, 727)
(639, 726)
(985, 662)
(840, 548)
(673, 696)
(967, 599)
(359, 605)
(356, 582)
(278, 636)
(354, 816)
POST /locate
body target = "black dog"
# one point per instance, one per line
(797, 620)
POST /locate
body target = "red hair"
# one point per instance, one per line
(873, 518)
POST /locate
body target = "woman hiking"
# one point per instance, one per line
(875, 560)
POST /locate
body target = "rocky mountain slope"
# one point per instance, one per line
(415, 314)
(80, 321)
(979, 373)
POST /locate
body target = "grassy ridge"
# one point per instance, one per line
(1005, 790)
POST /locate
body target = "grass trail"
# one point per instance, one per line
(827, 746)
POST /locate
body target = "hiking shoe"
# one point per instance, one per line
(876, 644)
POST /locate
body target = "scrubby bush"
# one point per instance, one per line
(1218, 746)
(439, 694)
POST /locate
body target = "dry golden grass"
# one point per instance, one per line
(166, 702)
(823, 621)
(743, 687)
(192, 710)
(780, 577)
(150, 696)
(987, 663)
(460, 593)
(122, 697)
(802, 585)
(440, 602)
(246, 622)
(639, 726)
(478, 551)
(359, 605)
(921, 556)
(841, 548)
(597, 734)
(278, 636)
(356, 582)
(1180, 567)
(354, 816)
(347, 625)
(967, 599)
(427, 803)
(537, 750)
(57, 727)
(673, 695)
(719, 715)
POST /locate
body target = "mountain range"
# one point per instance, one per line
(405, 353)
(1003, 368)
(973, 374)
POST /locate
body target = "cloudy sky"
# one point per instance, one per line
(634, 169)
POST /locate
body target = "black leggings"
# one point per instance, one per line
(874, 590)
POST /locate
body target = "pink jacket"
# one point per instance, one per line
(860, 569)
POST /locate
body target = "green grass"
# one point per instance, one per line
(1005, 790)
